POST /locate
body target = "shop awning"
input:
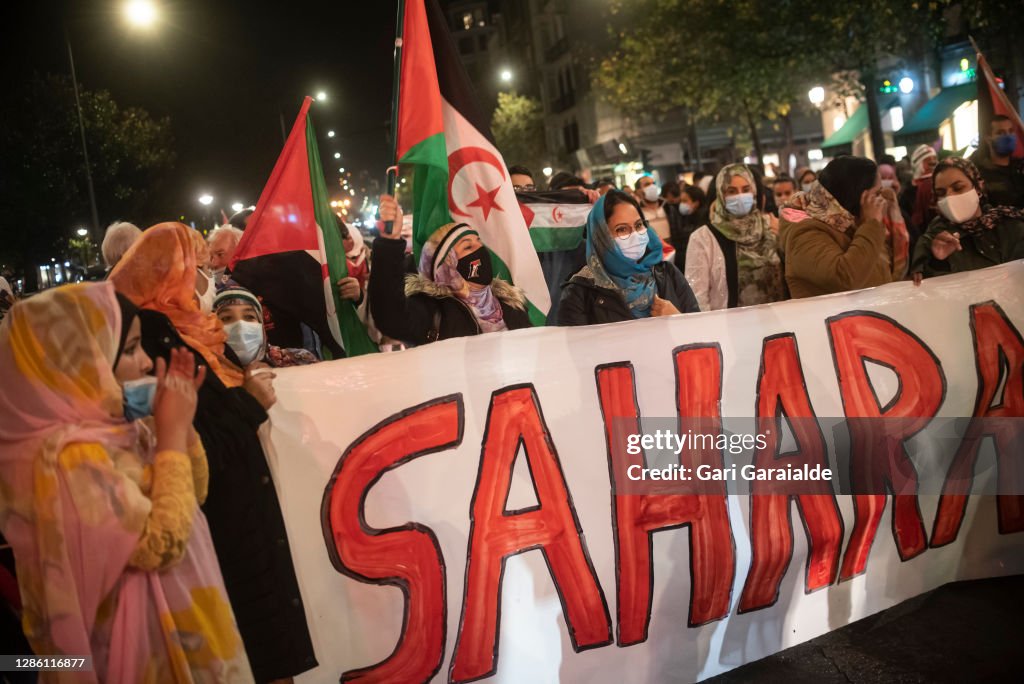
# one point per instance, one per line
(923, 127)
(854, 126)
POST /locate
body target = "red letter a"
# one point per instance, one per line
(999, 354)
(781, 390)
(515, 418)
(878, 457)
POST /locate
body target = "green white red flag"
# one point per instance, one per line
(459, 173)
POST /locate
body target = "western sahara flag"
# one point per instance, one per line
(460, 175)
(291, 254)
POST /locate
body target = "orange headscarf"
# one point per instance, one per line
(159, 272)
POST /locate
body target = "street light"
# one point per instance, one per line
(140, 13)
(337, 155)
(330, 134)
(548, 171)
(321, 96)
(816, 95)
(506, 75)
(237, 207)
(206, 199)
(906, 85)
(82, 232)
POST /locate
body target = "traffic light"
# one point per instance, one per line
(887, 86)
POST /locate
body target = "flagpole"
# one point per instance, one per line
(392, 172)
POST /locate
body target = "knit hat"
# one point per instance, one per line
(236, 294)
(439, 244)
(918, 157)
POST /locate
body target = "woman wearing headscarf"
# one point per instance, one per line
(454, 294)
(969, 233)
(733, 261)
(690, 214)
(100, 501)
(161, 274)
(922, 205)
(845, 233)
(625, 277)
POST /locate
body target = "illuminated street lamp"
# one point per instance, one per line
(321, 96)
(237, 207)
(337, 155)
(816, 95)
(206, 199)
(330, 134)
(140, 13)
(906, 85)
(506, 75)
(548, 171)
(82, 232)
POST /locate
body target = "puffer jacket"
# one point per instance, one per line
(584, 302)
(417, 311)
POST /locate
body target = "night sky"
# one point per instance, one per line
(224, 71)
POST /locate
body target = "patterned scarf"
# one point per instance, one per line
(759, 269)
(819, 204)
(486, 307)
(611, 270)
(991, 216)
(159, 272)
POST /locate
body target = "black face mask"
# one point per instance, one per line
(475, 267)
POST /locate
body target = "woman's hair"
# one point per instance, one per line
(695, 194)
(847, 178)
(800, 173)
(614, 198)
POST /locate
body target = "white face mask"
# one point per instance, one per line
(246, 339)
(651, 193)
(806, 187)
(887, 182)
(634, 245)
(960, 208)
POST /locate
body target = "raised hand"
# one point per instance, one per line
(174, 406)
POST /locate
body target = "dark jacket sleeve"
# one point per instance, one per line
(394, 314)
(679, 290)
(572, 307)
(922, 260)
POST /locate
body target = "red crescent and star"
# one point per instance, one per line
(486, 200)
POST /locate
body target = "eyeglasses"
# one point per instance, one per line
(622, 231)
(525, 188)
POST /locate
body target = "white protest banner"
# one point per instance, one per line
(451, 508)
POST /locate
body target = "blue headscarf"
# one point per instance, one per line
(634, 279)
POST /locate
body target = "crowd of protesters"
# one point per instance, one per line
(130, 408)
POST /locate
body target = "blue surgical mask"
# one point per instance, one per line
(138, 397)
(1004, 145)
(634, 245)
(685, 209)
(739, 205)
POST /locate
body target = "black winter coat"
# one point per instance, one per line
(417, 311)
(245, 520)
(586, 303)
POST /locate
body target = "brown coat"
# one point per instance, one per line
(822, 260)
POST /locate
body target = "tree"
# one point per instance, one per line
(721, 61)
(518, 128)
(750, 60)
(43, 196)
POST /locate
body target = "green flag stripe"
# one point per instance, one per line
(353, 333)
(556, 239)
